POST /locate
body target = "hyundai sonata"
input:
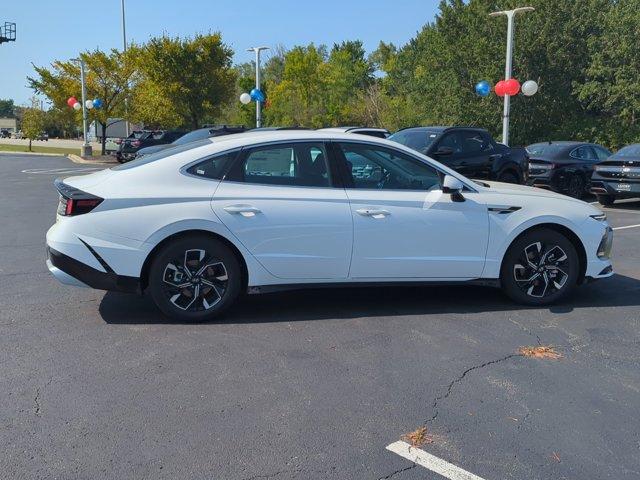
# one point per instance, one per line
(197, 225)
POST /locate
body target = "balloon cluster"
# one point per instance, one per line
(509, 87)
(256, 95)
(89, 104)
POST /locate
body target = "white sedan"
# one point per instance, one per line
(195, 226)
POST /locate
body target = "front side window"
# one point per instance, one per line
(418, 140)
(293, 164)
(473, 142)
(380, 168)
(602, 153)
(583, 153)
(452, 140)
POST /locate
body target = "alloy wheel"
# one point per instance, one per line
(195, 281)
(541, 270)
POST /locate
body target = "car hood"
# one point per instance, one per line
(512, 189)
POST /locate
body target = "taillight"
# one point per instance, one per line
(73, 201)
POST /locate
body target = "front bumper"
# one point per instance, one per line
(617, 188)
(73, 272)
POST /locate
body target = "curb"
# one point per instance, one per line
(5, 152)
(78, 159)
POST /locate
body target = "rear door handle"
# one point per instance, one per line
(373, 212)
(244, 210)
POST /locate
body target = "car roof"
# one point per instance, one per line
(349, 129)
(441, 128)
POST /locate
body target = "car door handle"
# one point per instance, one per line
(244, 210)
(373, 212)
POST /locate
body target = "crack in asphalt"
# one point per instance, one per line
(437, 400)
(392, 474)
(36, 400)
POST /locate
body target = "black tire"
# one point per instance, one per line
(508, 177)
(576, 186)
(540, 267)
(606, 200)
(207, 282)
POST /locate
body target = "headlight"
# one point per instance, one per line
(604, 249)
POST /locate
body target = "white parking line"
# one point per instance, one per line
(60, 171)
(431, 462)
(627, 226)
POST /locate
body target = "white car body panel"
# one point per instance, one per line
(306, 235)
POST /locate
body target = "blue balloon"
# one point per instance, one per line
(257, 95)
(483, 88)
(97, 103)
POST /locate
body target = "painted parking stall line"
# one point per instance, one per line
(627, 226)
(60, 171)
(431, 462)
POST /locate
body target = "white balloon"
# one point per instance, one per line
(529, 88)
(89, 104)
(245, 98)
(77, 106)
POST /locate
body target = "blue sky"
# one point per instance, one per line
(58, 29)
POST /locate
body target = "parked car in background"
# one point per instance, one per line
(43, 137)
(618, 176)
(145, 138)
(564, 167)
(5, 134)
(470, 151)
(18, 135)
(196, 226)
(213, 131)
(372, 132)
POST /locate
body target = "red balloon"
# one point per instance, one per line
(72, 101)
(512, 86)
(500, 88)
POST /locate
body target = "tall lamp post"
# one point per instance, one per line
(257, 51)
(510, 14)
(86, 147)
(124, 46)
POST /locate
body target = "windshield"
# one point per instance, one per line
(545, 149)
(154, 157)
(631, 151)
(193, 136)
(419, 140)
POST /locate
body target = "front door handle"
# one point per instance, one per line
(373, 212)
(244, 210)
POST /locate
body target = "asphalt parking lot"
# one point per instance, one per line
(310, 384)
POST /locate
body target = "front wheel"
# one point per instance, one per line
(576, 186)
(540, 267)
(508, 177)
(606, 200)
(194, 278)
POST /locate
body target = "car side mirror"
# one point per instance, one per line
(454, 187)
(443, 151)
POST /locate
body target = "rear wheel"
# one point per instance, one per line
(508, 177)
(576, 186)
(606, 200)
(540, 267)
(194, 278)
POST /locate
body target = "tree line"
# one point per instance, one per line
(583, 53)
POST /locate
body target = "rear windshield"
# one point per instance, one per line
(545, 149)
(167, 152)
(193, 136)
(631, 151)
(419, 140)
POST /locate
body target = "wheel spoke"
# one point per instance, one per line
(176, 276)
(193, 259)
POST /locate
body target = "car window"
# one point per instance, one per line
(452, 140)
(601, 152)
(473, 142)
(295, 164)
(583, 153)
(418, 140)
(194, 135)
(630, 151)
(213, 167)
(375, 167)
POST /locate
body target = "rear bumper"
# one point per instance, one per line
(616, 188)
(73, 272)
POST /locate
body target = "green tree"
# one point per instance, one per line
(33, 120)
(7, 108)
(192, 77)
(108, 77)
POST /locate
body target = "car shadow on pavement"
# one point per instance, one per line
(336, 303)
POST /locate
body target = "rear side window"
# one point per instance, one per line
(213, 167)
(584, 153)
(288, 164)
(601, 152)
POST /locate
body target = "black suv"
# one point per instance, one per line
(618, 176)
(145, 138)
(468, 150)
(564, 167)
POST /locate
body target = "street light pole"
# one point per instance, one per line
(508, 69)
(86, 147)
(257, 51)
(124, 46)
